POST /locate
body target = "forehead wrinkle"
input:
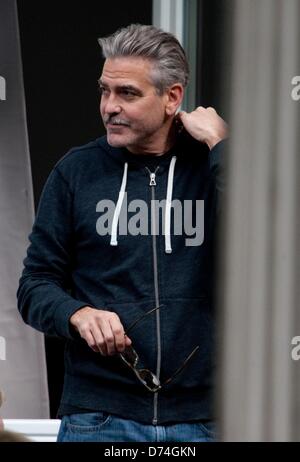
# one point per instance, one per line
(129, 82)
(134, 71)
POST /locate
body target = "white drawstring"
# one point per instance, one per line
(168, 248)
(114, 228)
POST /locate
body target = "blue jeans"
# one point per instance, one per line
(104, 427)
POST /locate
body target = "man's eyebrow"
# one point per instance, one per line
(122, 87)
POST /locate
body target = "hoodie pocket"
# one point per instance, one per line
(140, 318)
(186, 324)
(81, 360)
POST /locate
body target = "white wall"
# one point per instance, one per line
(22, 358)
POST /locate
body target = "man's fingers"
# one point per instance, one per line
(102, 330)
(108, 335)
(95, 341)
(92, 334)
(205, 125)
(118, 332)
(99, 341)
(182, 114)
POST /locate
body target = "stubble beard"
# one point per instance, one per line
(141, 139)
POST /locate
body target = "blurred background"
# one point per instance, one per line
(244, 58)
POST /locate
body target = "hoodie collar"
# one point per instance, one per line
(139, 161)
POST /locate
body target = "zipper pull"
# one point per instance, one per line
(152, 179)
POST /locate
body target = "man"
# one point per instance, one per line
(132, 295)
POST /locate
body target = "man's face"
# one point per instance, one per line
(133, 113)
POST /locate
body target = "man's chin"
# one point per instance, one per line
(117, 141)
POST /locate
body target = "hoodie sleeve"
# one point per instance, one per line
(217, 164)
(43, 298)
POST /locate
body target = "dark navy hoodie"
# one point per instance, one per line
(69, 265)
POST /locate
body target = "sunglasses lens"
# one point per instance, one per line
(130, 356)
(148, 378)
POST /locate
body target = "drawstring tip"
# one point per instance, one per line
(113, 243)
(168, 250)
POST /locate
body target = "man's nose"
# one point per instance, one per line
(111, 105)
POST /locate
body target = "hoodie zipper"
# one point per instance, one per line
(152, 184)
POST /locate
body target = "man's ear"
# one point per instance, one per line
(174, 96)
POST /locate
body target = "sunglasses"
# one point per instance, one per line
(145, 376)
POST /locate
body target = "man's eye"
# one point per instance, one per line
(103, 90)
(128, 93)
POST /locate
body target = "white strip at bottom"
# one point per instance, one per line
(37, 430)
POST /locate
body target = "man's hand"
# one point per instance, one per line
(204, 125)
(102, 330)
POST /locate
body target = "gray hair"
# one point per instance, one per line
(149, 42)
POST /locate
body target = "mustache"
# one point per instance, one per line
(113, 120)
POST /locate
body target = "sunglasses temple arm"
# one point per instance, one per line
(184, 364)
(141, 318)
